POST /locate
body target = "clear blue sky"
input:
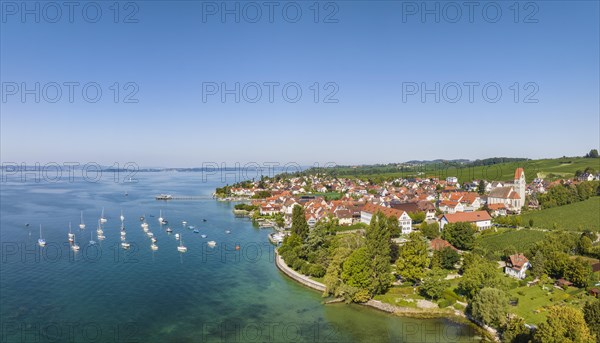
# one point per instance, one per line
(370, 53)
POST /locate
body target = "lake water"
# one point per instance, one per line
(108, 294)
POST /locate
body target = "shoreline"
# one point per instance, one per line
(453, 315)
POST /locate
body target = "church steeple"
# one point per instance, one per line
(520, 184)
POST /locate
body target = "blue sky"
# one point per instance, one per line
(371, 57)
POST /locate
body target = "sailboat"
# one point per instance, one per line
(153, 246)
(70, 235)
(160, 217)
(122, 216)
(181, 247)
(125, 245)
(211, 243)
(75, 247)
(41, 241)
(102, 219)
(92, 241)
(99, 231)
(81, 223)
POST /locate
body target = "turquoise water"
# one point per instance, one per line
(107, 294)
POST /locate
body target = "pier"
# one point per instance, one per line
(167, 197)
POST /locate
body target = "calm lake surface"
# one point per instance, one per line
(104, 293)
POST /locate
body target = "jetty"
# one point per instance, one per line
(167, 197)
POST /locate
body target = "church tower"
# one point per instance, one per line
(520, 184)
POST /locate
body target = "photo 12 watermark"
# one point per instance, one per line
(470, 92)
(72, 12)
(135, 251)
(452, 12)
(70, 92)
(270, 92)
(61, 331)
(54, 172)
(238, 171)
(272, 12)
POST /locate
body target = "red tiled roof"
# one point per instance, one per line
(469, 217)
(518, 173)
(388, 212)
(518, 261)
(439, 244)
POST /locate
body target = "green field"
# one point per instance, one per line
(328, 195)
(545, 168)
(577, 216)
(519, 239)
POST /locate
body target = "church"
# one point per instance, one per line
(512, 196)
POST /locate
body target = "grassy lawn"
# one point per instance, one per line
(398, 296)
(520, 239)
(534, 300)
(581, 215)
(352, 227)
(328, 195)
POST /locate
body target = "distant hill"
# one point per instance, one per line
(564, 167)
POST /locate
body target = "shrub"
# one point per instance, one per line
(317, 270)
(445, 303)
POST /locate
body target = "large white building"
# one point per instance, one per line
(481, 219)
(404, 220)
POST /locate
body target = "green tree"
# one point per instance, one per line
(515, 331)
(447, 257)
(591, 314)
(434, 284)
(356, 270)
(430, 231)
(378, 249)
(489, 306)
(592, 154)
(584, 245)
(563, 324)
(413, 258)
(481, 187)
(480, 273)
(333, 275)
(299, 224)
(461, 235)
(578, 271)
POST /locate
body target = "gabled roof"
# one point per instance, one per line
(469, 217)
(439, 244)
(388, 212)
(500, 192)
(517, 261)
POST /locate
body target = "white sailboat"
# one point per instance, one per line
(181, 247)
(71, 236)
(211, 243)
(160, 217)
(125, 245)
(75, 247)
(150, 234)
(122, 217)
(176, 236)
(81, 223)
(102, 219)
(92, 241)
(41, 241)
(99, 231)
(153, 246)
